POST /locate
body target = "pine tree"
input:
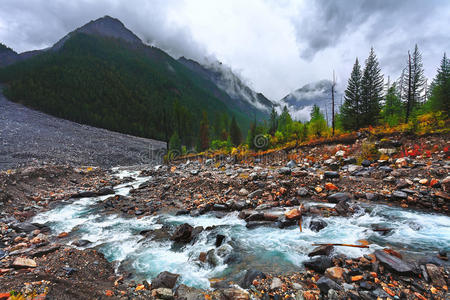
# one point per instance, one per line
(371, 91)
(235, 133)
(414, 83)
(440, 87)
(273, 124)
(204, 132)
(350, 110)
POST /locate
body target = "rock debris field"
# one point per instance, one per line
(29, 137)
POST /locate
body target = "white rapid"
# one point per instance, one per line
(264, 248)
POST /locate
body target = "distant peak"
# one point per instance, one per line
(109, 27)
(106, 26)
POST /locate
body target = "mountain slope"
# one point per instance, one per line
(240, 94)
(302, 100)
(101, 74)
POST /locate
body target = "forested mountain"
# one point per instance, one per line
(103, 75)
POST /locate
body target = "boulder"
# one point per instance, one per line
(256, 193)
(276, 283)
(321, 250)
(342, 208)
(254, 224)
(436, 275)
(243, 192)
(235, 294)
(293, 214)
(291, 164)
(331, 174)
(319, 263)
(189, 293)
(249, 276)
(399, 195)
(22, 262)
(338, 197)
(394, 263)
(219, 240)
(165, 280)
(324, 283)
(163, 293)
(284, 171)
(283, 222)
(334, 273)
(23, 227)
(302, 192)
(183, 233)
(317, 224)
(105, 191)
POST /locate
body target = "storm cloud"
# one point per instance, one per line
(276, 46)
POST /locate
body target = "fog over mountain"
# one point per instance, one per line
(274, 46)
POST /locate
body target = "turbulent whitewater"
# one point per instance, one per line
(265, 248)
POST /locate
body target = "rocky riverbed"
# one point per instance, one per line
(225, 229)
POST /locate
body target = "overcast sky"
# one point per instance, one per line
(275, 45)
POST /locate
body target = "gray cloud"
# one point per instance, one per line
(276, 45)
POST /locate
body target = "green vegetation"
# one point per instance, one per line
(122, 87)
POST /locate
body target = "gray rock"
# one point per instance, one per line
(163, 293)
(394, 263)
(291, 164)
(81, 243)
(331, 174)
(276, 283)
(284, 171)
(23, 227)
(342, 208)
(399, 195)
(251, 275)
(254, 224)
(321, 250)
(256, 193)
(302, 192)
(319, 263)
(183, 233)
(338, 197)
(165, 280)
(317, 224)
(325, 284)
(366, 163)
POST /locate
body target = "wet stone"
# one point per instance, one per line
(331, 174)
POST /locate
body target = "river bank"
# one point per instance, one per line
(230, 229)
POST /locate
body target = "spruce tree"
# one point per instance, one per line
(440, 87)
(273, 124)
(350, 110)
(414, 84)
(371, 91)
(235, 133)
(393, 109)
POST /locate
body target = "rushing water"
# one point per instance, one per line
(264, 248)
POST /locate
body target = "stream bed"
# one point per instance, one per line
(268, 249)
